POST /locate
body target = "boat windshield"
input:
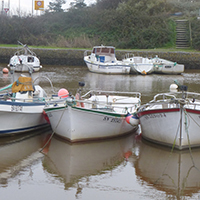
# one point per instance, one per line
(96, 50)
(30, 59)
(104, 50)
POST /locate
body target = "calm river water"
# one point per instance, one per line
(124, 168)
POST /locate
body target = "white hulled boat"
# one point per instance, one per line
(95, 115)
(21, 107)
(139, 65)
(103, 60)
(163, 66)
(24, 60)
(172, 119)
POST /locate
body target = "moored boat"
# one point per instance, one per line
(24, 60)
(21, 107)
(172, 119)
(103, 60)
(139, 65)
(163, 66)
(95, 115)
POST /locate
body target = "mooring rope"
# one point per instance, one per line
(190, 150)
(170, 152)
(187, 132)
(193, 119)
(53, 132)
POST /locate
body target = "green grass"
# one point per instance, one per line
(155, 49)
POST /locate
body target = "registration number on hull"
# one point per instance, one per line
(15, 108)
(152, 116)
(111, 119)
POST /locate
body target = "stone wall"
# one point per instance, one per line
(72, 57)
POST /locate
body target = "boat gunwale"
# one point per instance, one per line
(71, 102)
(22, 103)
(153, 111)
(94, 110)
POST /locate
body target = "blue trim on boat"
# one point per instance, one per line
(21, 103)
(110, 65)
(22, 129)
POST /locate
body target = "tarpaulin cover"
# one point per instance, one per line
(22, 84)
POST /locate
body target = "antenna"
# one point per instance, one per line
(2, 6)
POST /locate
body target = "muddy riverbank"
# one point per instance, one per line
(73, 57)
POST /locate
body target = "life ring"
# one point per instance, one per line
(114, 100)
(79, 104)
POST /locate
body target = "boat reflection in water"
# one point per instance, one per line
(177, 173)
(73, 161)
(147, 85)
(19, 152)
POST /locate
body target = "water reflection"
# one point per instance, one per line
(68, 77)
(176, 173)
(70, 162)
(158, 175)
(19, 152)
(148, 85)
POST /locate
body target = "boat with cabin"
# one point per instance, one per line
(103, 60)
(24, 60)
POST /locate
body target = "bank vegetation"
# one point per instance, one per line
(125, 24)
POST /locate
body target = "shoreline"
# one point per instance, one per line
(73, 57)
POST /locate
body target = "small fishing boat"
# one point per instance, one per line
(163, 66)
(103, 60)
(94, 115)
(172, 119)
(139, 65)
(21, 107)
(24, 60)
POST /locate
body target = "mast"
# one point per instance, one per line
(2, 5)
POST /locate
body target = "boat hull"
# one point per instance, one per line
(24, 68)
(103, 60)
(18, 117)
(79, 124)
(111, 68)
(168, 68)
(142, 68)
(139, 65)
(24, 63)
(175, 127)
